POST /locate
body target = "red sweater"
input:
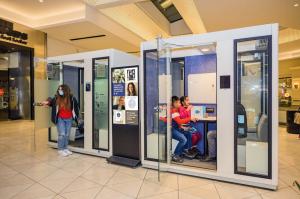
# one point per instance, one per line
(176, 120)
(65, 113)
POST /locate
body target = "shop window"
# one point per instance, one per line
(253, 106)
(100, 103)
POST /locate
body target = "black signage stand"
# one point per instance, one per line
(126, 136)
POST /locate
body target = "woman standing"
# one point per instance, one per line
(65, 109)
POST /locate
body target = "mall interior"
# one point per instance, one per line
(154, 99)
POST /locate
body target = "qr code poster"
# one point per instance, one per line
(131, 75)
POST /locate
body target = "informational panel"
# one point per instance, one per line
(202, 88)
(125, 95)
(125, 109)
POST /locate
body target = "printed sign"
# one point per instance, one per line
(125, 95)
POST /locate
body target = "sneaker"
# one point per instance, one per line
(68, 152)
(62, 153)
(177, 159)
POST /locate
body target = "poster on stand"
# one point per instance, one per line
(125, 96)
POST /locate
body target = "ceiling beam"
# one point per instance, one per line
(101, 20)
(110, 3)
(132, 18)
(190, 14)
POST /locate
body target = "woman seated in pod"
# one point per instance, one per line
(178, 133)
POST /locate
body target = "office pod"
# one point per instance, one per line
(88, 75)
(207, 104)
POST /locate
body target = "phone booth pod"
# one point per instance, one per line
(92, 89)
(230, 78)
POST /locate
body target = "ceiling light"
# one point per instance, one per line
(41, 1)
(204, 49)
(296, 4)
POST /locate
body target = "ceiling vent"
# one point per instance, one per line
(89, 37)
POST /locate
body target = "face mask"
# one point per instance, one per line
(61, 92)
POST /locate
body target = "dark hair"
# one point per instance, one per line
(133, 89)
(174, 99)
(64, 101)
(182, 99)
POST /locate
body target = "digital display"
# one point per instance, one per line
(125, 95)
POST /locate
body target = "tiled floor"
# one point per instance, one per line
(42, 174)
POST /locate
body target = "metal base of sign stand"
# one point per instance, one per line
(124, 161)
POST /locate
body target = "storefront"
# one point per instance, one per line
(230, 78)
(19, 46)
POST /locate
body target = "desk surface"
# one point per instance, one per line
(208, 119)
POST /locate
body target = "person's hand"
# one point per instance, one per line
(189, 107)
(193, 119)
(45, 103)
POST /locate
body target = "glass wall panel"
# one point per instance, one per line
(253, 106)
(101, 103)
(155, 128)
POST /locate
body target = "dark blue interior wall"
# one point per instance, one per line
(71, 78)
(193, 65)
(151, 86)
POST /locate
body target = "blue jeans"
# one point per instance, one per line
(63, 128)
(211, 141)
(182, 141)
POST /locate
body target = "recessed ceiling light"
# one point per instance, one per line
(41, 1)
(296, 4)
(204, 49)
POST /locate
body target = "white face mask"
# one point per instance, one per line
(61, 92)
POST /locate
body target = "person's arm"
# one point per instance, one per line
(76, 107)
(178, 120)
(49, 102)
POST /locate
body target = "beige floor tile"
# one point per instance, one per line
(77, 166)
(99, 175)
(80, 184)
(34, 192)
(121, 178)
(168, 180)
(189, 181)
(5, 170)
(171, 195)
(287, 193)
(131, 188)
(107, 193)
(15, 180)
(151, 189)
(59, 174)
(135, 172)
(202, 192)
(82, 194)
(228, 191)
(57, 185)
(39, 171)
(10, 191)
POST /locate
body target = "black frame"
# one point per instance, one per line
(145, 106)
(93, 101)
(111, 106)
(269, 49)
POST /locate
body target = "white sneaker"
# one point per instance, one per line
(68, 152)
(62, 153)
